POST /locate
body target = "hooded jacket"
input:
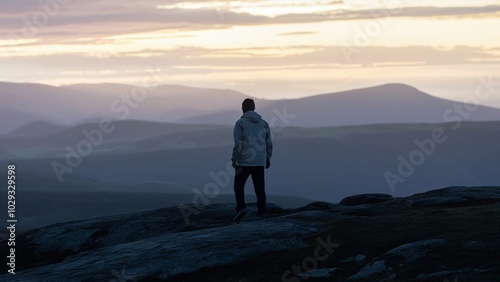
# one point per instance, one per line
(252, 140)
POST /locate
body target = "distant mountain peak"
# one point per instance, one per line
(405, 88)
(391, 88)
(398, 86)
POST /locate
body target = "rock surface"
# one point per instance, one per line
(398, 256)
(364, 199)
(455, 196)
(370, 231)
(413, 251)
(374, 267)
(146, 243)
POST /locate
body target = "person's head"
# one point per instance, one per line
(248, 105)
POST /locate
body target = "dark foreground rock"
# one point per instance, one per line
(455, 196)
(365, 199)
(443, 234)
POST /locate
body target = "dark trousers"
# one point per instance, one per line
(242, 174)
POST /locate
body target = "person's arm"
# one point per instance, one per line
(238, 142)
(269, 143)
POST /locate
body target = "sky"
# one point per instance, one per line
(269, 49)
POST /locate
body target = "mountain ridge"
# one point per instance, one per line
(186, 154)
(386, 104)
(72, 104)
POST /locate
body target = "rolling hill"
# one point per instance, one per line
(36, 128)
(76, 104)
(382, 104)
(316, 163)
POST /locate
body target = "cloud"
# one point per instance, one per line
(51, 22)
(427, 11)
(297, 33)
(203, 60)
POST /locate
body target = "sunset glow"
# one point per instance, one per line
(265, 48)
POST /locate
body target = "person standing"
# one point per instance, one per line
(252, 152)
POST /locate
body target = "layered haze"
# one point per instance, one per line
(177, 141)
(76, 104)
(111, 106)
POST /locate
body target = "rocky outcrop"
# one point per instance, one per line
(397, 257)
(364, 199)
(455, 196)
(159, 246)
(158, 243)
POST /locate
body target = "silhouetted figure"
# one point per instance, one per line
(252, 152)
